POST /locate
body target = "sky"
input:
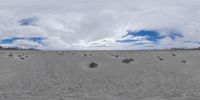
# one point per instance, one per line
(100, 24)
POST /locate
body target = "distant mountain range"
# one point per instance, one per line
(15, 48)
(186, 48)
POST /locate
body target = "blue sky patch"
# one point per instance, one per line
(13, 39)
(28, 21)
(150, 35)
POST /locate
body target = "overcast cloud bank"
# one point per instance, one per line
(101, 24)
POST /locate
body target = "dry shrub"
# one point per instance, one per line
(93, 65)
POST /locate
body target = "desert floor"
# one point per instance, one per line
(100, 75)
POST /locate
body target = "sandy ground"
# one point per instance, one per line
(116, 75)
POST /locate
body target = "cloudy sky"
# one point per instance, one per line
(100, 24)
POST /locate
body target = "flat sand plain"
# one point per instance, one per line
(100, 75)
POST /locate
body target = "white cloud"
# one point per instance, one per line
(25, 44)
(97, 24)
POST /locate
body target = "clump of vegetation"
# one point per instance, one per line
(85, 54)
(116, 56)
(22, 58)
(93, 65)
(161, 59)
(184, 61)
(127, 60)
(10, 55)
(19, 55)
(173, 54)
(131, 59)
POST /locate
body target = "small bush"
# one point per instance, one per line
(10, 55)
(127, 60)
(173, 54)
(184, 61)
(115, 56)
(22, 58)
(161, 59)
(93, 65)
(131, 60)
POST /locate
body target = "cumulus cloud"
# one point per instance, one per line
(101, 24)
